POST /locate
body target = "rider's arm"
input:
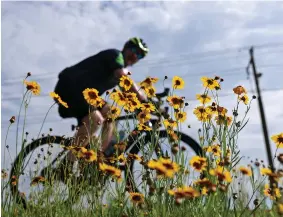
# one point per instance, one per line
(135, 88)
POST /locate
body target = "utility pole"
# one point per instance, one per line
(262, 115)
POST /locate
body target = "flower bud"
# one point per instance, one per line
(13, 119)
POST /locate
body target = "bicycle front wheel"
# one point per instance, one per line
(159, 145)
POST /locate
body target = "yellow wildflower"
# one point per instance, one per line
(244, 98)
(184, 192)
(37, 179)
(150, 91)
(149, 81)
(137, 198)
(271, 193)
(215, 149)
(170, 165)
(144, 116)
(178, 82)
(147, 106)
(33, 86)
(58, 99)
(278, 140)
(180, 116)
(203, 98)
(223, 119)
(126, 82)
(210, 83)
(119, 97)
(221, 173)
(143, 127)
(89, 156)
(161, 170)
(175, 101)
(114, 112)
(245, 171)
(92, 97)
(198, 163)
(115, 172)
(239, 90)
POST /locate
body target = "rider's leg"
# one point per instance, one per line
(90, 124)
(107, 129)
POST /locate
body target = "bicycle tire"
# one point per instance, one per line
(20, 159)
(189, 141)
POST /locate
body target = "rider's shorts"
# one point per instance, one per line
(77, 106)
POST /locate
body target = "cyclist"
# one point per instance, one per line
(101, 71)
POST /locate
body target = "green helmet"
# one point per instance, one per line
(137, 43)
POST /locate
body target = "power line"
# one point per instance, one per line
(46, 76)
(230, 70)
(40, 77)
(51, 76)
(212, 52)
(187, 61)
(198, 56)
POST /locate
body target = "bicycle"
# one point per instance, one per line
(133, 147)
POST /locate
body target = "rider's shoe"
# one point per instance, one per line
(111, 150)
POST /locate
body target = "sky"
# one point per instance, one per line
(187, 39)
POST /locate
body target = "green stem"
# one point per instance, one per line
(18, 121)
(6, 145)
(45, 119)
(24, 124)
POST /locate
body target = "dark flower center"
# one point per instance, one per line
(151, 91)
(221, 177)
(197, 165)
(127, 82)
(168, 166)
(210, 81)
(111, 171)
(136, 198)
(280, 139)
(92, 95)
(88, 155)
(177, 82)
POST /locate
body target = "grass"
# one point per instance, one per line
(181, 184)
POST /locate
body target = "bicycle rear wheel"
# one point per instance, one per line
(29, 162)
(187, 146)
